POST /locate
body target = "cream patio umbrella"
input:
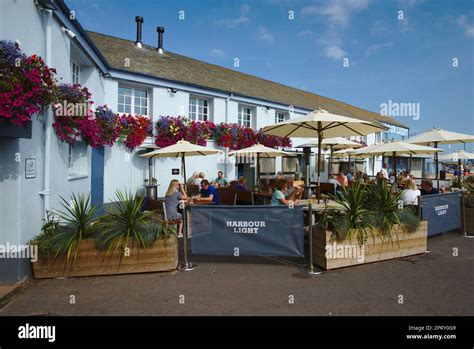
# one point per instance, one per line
(260, 151)
(181, 149)
(333, 143)
(396, 148)
(436, 137)
(457, 156)
(323, 124)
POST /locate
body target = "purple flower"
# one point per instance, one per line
(11, 51)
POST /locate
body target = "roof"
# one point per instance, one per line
(174, 67)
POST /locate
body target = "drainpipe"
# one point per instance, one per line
(48, 122)
(226, 120)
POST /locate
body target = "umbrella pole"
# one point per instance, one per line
(373, 166)
(394, 165)
(258, 170)
(330, 162)
(320, 139)
(183, 165)
(409, 169)
(436, 166)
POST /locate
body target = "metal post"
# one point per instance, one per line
(187, 265)
(309, 269)
(463, 213)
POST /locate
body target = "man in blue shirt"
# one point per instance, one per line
(209, 193)
(427, 187)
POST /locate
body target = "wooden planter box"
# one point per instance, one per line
(373, 251)
(469, 212)
(162, 256)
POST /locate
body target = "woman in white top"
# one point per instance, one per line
(410, 193)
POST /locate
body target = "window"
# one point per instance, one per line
(76, 73)
(132, 101)
(198, 109)
(77, 161)
(280, 117)
(245, 116)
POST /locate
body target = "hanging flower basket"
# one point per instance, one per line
(73, 116)
(26, 84)
(134, 129)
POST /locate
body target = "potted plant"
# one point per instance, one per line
(371, 226)
(124, 240)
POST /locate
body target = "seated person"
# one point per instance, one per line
(174, 195)
(192, 178)
(208, 193)
(427, 187)
(349, 176)
(200, 177)
(292, 192)
(221, 181)
(410, 194)
(278, 198)
(342, 179)
(241, 185)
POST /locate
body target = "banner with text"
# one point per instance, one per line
(442, 211)
(247, 230)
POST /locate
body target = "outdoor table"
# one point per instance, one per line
(263, 196)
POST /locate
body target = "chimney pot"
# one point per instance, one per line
(139, 21)
(160, 31)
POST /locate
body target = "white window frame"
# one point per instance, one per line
(244, 118)
(135, 101)
(77, 161)
(75, 73)
(196, 114)
(279, 114)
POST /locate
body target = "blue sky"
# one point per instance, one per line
(403, 57)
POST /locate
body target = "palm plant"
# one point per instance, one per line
(387, 211)
(76, 225)
(357, 215)
(125, 221)
(468, 184)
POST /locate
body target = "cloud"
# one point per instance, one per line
(241, 20)
(218, 53)
(335, 52)
(380, 28)
(337, 15)
(265, 35)
(466, 26)
(338, 12)
(377, 47)
(306, 32)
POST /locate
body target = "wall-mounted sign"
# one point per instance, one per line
(175, 171)
(30, 168)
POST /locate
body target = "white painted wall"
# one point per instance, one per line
(21, 215)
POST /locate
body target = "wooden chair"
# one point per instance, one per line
(159, 208)
(227, 196)
(328, 188)
(192, 189)
(245, 198)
